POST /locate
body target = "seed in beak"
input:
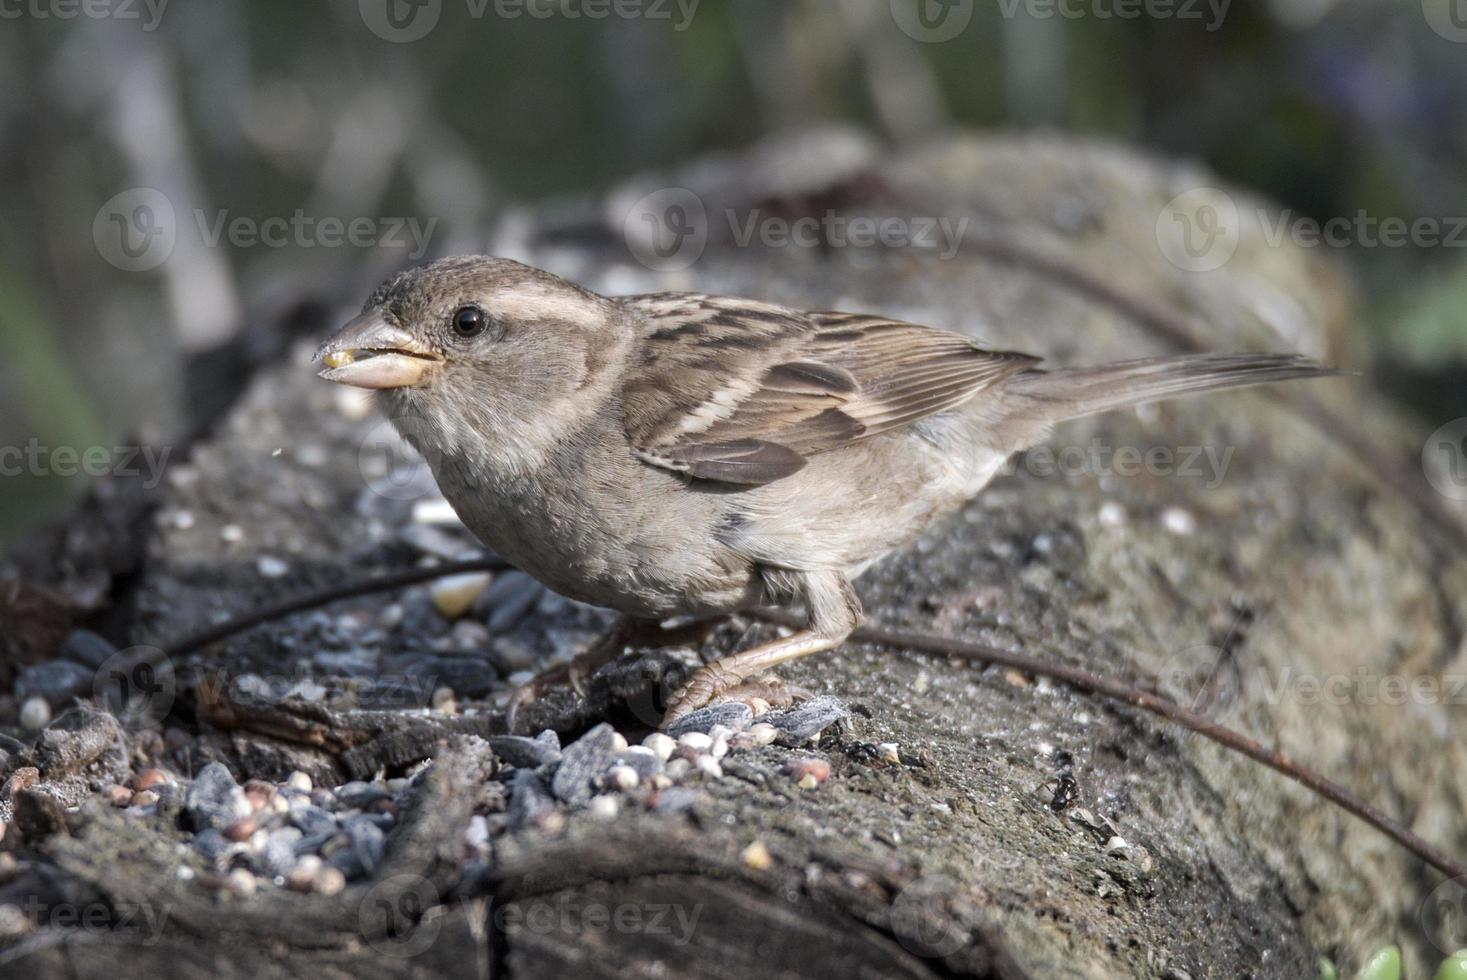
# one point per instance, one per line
(340, 358)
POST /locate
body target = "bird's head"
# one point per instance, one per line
(480, 353)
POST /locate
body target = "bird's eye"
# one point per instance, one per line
(470, 321)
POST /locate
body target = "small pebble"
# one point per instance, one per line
(118, 796)
(434, 510)
(662, 745)
(709, 767)
(302, 877)
(522, 752)
(675, 800)
(144, 798)
(1178, 521)
(86, 647)
(271, 567)
(231, 534)
(241, 882)
(151, 778)
(298, 780)
(1112, 514)
(815, 771)
(697, 741)
(214, 799)
(183, 519)
(757, 856)
(35, 714)
(583, 761)
(719, 748)
(763, 733)
(330, 881)
(454, 595)
(260, 794)
(890, 752)
(622, 777)
(241, 830)
(443, 701)
(604, 807)
(677, 769)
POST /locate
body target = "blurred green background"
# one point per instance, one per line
(338, 108)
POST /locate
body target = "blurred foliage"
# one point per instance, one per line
(259, 109)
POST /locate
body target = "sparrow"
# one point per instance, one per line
(681, 454)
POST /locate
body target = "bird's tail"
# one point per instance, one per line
(1071, 393)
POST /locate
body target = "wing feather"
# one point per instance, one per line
(742, 392)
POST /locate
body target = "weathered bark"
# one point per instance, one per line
(1319, 553)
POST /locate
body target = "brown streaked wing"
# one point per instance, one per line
(741, 392)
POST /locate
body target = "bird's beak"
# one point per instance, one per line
(370, 352)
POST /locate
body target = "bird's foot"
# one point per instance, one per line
(627, 633)
(574, 673)
(762, 694)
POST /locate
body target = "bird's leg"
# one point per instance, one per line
(627, 632)
(834, 613)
